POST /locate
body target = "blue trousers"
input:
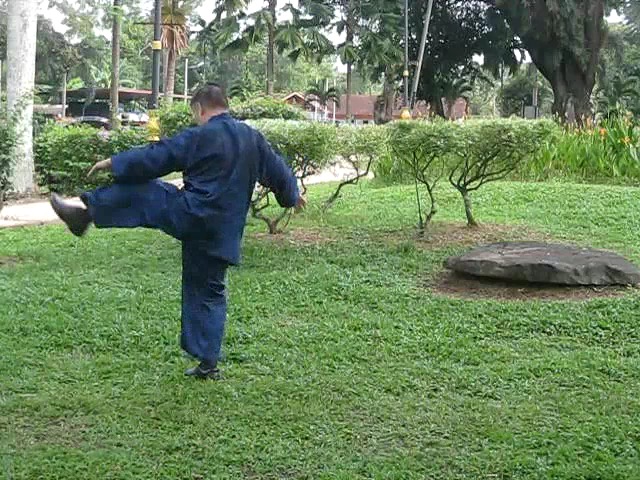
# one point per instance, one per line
(156, 205)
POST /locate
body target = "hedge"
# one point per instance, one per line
(64, 154)
(466, 155)
(177, 116)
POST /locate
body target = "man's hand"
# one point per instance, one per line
(301, 203)
(100, 166)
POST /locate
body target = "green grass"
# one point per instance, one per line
(340, 365)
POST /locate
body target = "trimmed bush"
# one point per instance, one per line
(260, 108)
(308, 147)
(173, 118)
(489, 150)
(422, 149)
(64, 154)
(359, 148)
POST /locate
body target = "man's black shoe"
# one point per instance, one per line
(75, 217)
(204, 371)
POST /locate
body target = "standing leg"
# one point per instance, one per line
(204, 305)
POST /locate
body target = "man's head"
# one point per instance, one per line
(208, 102)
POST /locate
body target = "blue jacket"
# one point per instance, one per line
(221, 162)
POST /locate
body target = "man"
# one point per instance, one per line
(221, 161)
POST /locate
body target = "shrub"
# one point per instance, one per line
(359, 147)
(173, 118)
(490, 150)
(265, 108)
(606, 152)
(421, 149)
(64, 154)
(307, 147)
(7, 144)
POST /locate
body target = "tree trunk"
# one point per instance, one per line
(348, 93)
(451, 108)
(471, 221)
(565, 40)
(383, 109)
(271, 48)
(115, 62)
(349, 72)
(65, 79)
(437, 108)
(21, 63)
(389, 93)
(172, 59)
(165, 69)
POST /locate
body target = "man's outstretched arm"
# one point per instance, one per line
(150, 162)
(276, 175)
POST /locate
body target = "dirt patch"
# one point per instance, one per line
(442, 235)
(455, 285)
(298, 237)
(9, 261)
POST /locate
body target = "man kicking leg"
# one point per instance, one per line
(221, 160)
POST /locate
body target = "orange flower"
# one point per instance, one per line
(603, 132)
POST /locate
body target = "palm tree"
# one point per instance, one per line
(175, 37)
(458, 88)
(321, 95)
(302, 35)
(348, 24)
(21, 61)
(614, 97)
(371, 41)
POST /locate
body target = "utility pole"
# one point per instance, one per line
(186, 79)
(157, 53)
(423, 44)
(406, 111)
(405, 74)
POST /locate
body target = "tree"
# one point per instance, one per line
(21, 61)
(458, 88)
(459, 30)
(617, 95)
(617, 80)
(564, 40)
(299, 37)
(348, 24)
(175, 37)
(380, 53)
(517, 92)
(322, 95)
(115, 60)
(93, 48)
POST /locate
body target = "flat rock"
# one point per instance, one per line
(544, 263)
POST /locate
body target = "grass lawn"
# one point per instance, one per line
(340, 363)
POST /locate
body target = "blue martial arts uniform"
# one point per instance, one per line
(221, 162)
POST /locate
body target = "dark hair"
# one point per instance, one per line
(210, 97)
